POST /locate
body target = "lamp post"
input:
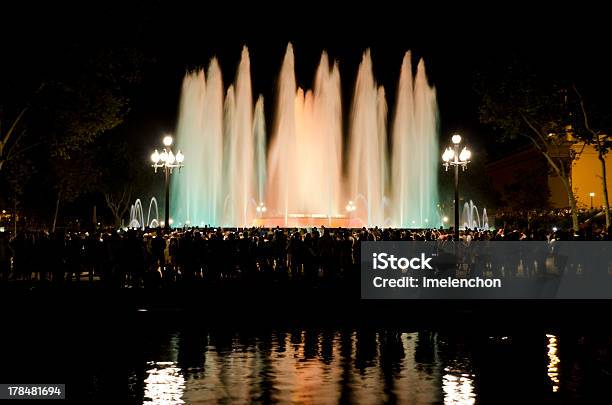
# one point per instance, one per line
(591, 194)
(452, 157)
(168, 161)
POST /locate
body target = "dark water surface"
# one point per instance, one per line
(316, 348)
(149, 362)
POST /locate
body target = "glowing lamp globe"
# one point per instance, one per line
(163, 156)
(155, 157)
(465, 155)
(171, 158)
(448, 155)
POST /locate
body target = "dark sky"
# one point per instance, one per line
(176, 36)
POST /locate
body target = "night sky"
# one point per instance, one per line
(177, 36)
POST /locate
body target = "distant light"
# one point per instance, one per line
(592, 194)
(180, 157)
(170, 221)
(4, 211)
(445, 219)
(168, 140)
(555, 229)
(1, 229)
(456, 139)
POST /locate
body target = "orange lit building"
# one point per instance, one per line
(586, 177)
(527, 171)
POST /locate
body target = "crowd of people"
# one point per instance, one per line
(132, 258)
(551, 217)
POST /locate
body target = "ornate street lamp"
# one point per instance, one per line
(168, 161)
(591, 194)
(452, 157)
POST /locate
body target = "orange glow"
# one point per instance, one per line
(586, 177)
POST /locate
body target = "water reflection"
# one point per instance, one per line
(364, 366)
(553, 361)
(458, 388)
(164, 384)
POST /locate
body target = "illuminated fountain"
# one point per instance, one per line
(305, 170)
(305, 157)
(471, 219)
(137, 215)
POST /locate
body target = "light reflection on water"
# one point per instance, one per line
(458, 388)
(553, 361)
(164, 384)
(326, 366)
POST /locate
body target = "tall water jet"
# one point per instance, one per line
(381, 114)
(229, 140)
(189, 188)
(197, 190)
(414, 150)
(367, 149)
(259, 133)
(426, 148)
(327, 137)
(280, 167)
(401, 152)
(213, 119)
(241, 157)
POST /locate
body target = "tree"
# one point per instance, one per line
(119, 201)
(12, 142)
(74, 178)
(7, 140)
(90, 97)
(602, 144)
(518, 103)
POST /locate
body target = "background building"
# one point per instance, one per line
(523, 178)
